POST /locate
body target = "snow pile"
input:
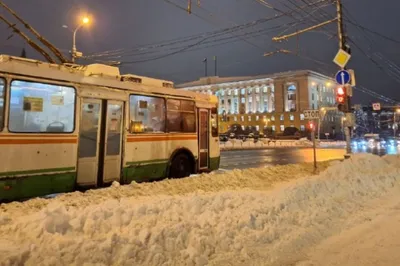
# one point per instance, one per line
(242, 227)
(258, 179)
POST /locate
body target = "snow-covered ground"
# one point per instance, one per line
(348, 214)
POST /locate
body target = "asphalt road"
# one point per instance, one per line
(240, 159)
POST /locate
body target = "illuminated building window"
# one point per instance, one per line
(250, 99)
(257, 89)
(282, 128)
(273, 128)
(265, 89)
(291, 117)
(258, 128)
(301, 117)
(257, 118)
(236, 91)
(242, 127)
(291, 98)
(250, 90)
(229, 92)
(302, 127)
(282, 117)
(243, 91)
(272, 118)
(222, 92)
(249, 117)
(243, 100)
(242, 118)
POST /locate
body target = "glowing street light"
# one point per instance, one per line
(74, 53)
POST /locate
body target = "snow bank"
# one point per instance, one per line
(249, 226)
(258, 179)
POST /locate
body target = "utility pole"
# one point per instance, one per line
(205, 66)
(342, 45)
(215, 66)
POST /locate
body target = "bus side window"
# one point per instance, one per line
(40, 107)
(214, 122)
(147, 114)
(2, 92)
(181, 116)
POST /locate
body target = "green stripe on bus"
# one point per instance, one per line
(38, 171)
(36, 185)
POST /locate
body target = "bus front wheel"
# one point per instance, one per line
(181, 166)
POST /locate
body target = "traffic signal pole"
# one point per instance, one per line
(342, 44)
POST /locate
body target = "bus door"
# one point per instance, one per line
(100, 142)
(203, 129)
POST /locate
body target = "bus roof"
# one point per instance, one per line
(94, 74)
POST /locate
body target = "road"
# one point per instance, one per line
(240, 159)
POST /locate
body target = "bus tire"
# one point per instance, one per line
(181, 166)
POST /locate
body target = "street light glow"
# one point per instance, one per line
(328, 84)
(398, 110)
(85, 20)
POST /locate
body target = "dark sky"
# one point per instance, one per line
(128, 24)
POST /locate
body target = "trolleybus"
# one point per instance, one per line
(65, 127)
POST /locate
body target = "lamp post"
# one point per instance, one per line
(74, 52)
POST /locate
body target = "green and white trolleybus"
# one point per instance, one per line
(65, 127)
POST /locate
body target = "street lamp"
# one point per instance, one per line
(74, 52)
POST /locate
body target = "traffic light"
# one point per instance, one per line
(311, 126)
(341, 98)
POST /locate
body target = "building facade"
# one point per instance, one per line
(273, 101)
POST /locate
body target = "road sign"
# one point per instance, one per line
(376, 106)
(342, 58)
(342, 77)
(311, 114)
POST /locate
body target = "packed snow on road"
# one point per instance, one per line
(347, 214)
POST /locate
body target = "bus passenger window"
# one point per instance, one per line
(39, 107)
(147, 114)
(181, 116)
(214, 122)
(2, 86)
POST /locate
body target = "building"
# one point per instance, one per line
(272, 102)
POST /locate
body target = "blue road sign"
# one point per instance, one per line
(342, 77)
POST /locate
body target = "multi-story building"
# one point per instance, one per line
(274, 101)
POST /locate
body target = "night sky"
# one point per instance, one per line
(125, 25)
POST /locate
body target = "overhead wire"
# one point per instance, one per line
(193, 37)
